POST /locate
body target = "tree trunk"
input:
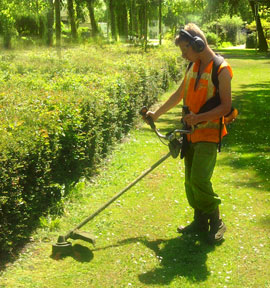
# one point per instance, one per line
(50, 22)
(57, 23)
(79, 13)
(122, 20)
(108, 19)
(145, 25)
(71, 15)
(112, 18)
(263, 47)
(130, 28)
(92, 17)
(135, 20)
(7, 40)
(141, 19)
(125, 20)
(160, 22)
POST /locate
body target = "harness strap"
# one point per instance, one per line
(215, 100)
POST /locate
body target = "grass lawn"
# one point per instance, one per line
(137, 245)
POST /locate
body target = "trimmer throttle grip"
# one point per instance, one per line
(149, 120)
(143, 111)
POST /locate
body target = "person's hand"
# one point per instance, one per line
(151, 115)
(191, 119)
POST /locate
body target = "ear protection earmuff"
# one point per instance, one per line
(196, 42)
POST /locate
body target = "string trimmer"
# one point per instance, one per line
(175, 139)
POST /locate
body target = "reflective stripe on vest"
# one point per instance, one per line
(195, 99)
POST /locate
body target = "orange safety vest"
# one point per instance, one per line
(196, 97)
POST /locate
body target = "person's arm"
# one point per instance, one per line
(225, 98)
(174, 99)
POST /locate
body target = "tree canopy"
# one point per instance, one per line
(125, 19)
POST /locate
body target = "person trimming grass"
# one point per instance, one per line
(209, 128)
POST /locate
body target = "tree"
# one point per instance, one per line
(50, 22)
(130, 18)
(145, 24)
(143, 20)
(160, 21)
(80, 14)
(71, 14)
(255, 5)
(176, 12)
(122, 19)
(90, 6)
(111, 12)
(14, 10)
(262, 40)
(7, 21)
(133, 19)
(57, 8)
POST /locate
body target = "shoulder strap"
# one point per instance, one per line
(217, 61)
(189, 65)
(215, 100)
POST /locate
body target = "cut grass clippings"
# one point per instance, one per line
(137, 245)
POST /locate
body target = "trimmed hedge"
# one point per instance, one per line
(59, 118)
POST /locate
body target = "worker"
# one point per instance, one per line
(202, 144)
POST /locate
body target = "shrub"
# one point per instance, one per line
(231, 28)
(26, 25)
(226, 45)
(59, 118)
(212, 39)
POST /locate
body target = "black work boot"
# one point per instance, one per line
(198, 225)
(217, 227)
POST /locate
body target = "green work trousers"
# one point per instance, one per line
(200, 160)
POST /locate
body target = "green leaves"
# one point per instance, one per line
(59, 119)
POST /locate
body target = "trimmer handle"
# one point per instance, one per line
(186, 110)
(149, 120)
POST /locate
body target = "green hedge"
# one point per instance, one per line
(59, 118)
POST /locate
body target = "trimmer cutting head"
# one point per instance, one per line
(63, 247)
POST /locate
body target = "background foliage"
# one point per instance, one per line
(64, 21)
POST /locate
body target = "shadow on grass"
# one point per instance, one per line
(18, 249)
(183, 256)
(249, 137)
(265, 221)
(179, 257)
(78, 252)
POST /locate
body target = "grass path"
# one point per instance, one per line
(136, 241)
